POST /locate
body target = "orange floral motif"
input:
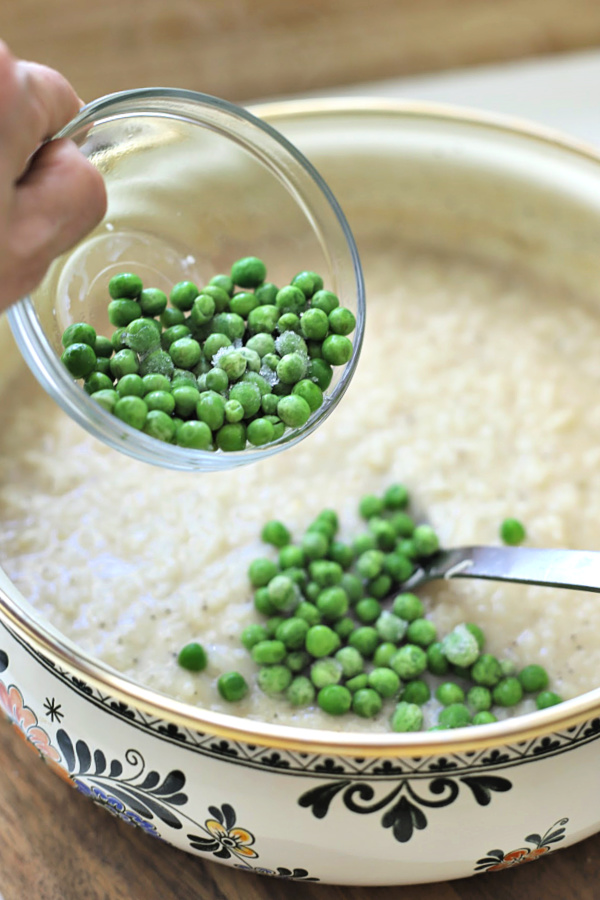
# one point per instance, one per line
(237, 840)
(25, 721)
(225, 838)
(497, 859)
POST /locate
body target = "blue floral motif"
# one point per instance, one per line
(116, 808)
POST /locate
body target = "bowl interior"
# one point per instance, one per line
(410, 178)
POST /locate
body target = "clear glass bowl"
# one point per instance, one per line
(193, 184)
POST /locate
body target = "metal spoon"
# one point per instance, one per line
(576, 569)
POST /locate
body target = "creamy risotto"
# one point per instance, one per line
(477, 388)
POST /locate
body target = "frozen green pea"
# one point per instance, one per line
(153, 302)
(249, 271)
(332, 603)
(449, 692)
(486, 670)
(213, 343)
(156, 362)
(344, 627)
(460, 646)
(508, 692)
(337, 350)
(97, 381)
(385, 681)
(283, 593)
(483, 717)
(266, 293)
(384, 533)
(274, 679)
(370, 564)
(368, 610)
(351, 661)
(403, 525)
(261, 571)
(268, 652)
(512, 532)
(479, 698)
(130, 386)
(409, 661)
(384, 653)
(243, 303)
(422, 632)
(171, 316)
(365, 639)
(252, 634)
(193, 657)
(390, 627)
(314, 324)
(456, 715)
(122, 312)
(288, 322)
(358, 683)
(366, 703)
(106, 399)
(309, 612)
(232, 686)
(545, 699)
(248, 395)
(426, 540)
(260, 432)
(125, 284)
(341, 321)
(408, 606)
(436, 659)
(79, 359)
(334, 699)
(325, 300)
(290, 299)
(131, 410)
(82, 333)
(308, 282)
(321, 641)
(183, 295)
(533, 678)
(406, 717)
(380, 587)
(301, 691)
(216, 380)
(210, 408)
(292, 632)
(398, 566)
(263, 319)
(155, 382)
(325, 671)
(416, 691)
(194, 435)
(320, 372)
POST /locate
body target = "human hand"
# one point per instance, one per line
(50, 195)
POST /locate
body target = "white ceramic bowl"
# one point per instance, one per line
(322, 806)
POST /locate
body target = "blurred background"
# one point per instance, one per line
(248, 49)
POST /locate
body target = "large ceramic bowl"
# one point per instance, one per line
(322, 806)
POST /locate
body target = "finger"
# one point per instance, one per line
(61, 198)
(35, 103)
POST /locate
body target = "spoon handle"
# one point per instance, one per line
(577, 569)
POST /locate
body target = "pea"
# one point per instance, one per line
(263, 319)
(308, 282)
(364, 542)
(131, 410)
(477, 634)
(479, 698)
(260, 432)
(486, 670)
(261, 572)
(436, 660)
(186, 398)
(320, 372)
(183, 295)
(162, 400)
(301, 691)
(396, 497)
(341, 321)
(232, 686)
(366, 703)
(421, 632)
(332, 603)
(398, 566)
(368, 610)
(250, 271)
(365, 639)
(416, 691)
(344, 627)
(358, 683)
(449, 692)
(325, 301)
(545, 699)
(223, 282)
(321, 641)
(103, 347)
(460, 646)
(96, 381)
(370, 563)
(308, 612)
(248, 395)
(334, 699)
(406, 717)
(160, 425)
(390, 627)
(385, 681)
(79, 359)
(292, 632)
(171, 316)
(210, 408)
(157, 362)
(261, 344)
(213, 343)
(408, 606)
(297, 660)
(409, 661)
(351, 661)
(383, 654)
(193, 657)
(283, 593)
(325, 671)
(380, 587)
(314, 324)
(337, 350)
(288, 322)
(106, 399)
(353, 586)
(125, 284)
(82, 333)
(483, 717)
(456, 715)
(403, 525)
(426, 540)
(243, 303)
(152, 302)
(384, 533)
(512, 532)
(508, 692)
(194, 435)
(122, 312)
(533, 678)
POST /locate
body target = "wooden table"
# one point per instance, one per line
(56, 845)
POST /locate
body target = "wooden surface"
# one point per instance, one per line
(56, 845)
(242, 49)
